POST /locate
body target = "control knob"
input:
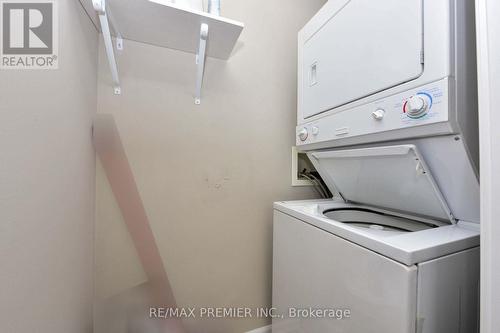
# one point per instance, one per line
(417, 106)
(378, 114)
(303, 134)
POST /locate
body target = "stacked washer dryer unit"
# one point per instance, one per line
(387, 114)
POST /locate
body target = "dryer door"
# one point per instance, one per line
(355, 48)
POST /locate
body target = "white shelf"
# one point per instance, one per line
(162, 24)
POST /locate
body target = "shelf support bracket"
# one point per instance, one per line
(100, 8)
(200, 61)
(114, 26)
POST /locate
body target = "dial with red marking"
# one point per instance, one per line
(417, 106)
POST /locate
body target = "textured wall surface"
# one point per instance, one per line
(47, 186)
(207, 174)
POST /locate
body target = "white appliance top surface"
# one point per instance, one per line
(391, 177)
(408, 248)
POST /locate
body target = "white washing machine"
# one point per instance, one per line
(388, 250)
(387, 112)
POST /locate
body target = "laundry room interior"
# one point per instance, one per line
(231, 166)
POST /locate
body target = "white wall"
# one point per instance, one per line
(488, 24)
(47, 186)
(207, 174)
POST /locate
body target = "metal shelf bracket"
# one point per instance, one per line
(200, 61)
(114, 26)
(105, 18)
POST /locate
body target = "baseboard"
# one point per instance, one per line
(265, 329)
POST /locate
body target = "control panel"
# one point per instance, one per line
(420, 106)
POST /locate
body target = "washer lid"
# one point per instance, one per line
(390, 177)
